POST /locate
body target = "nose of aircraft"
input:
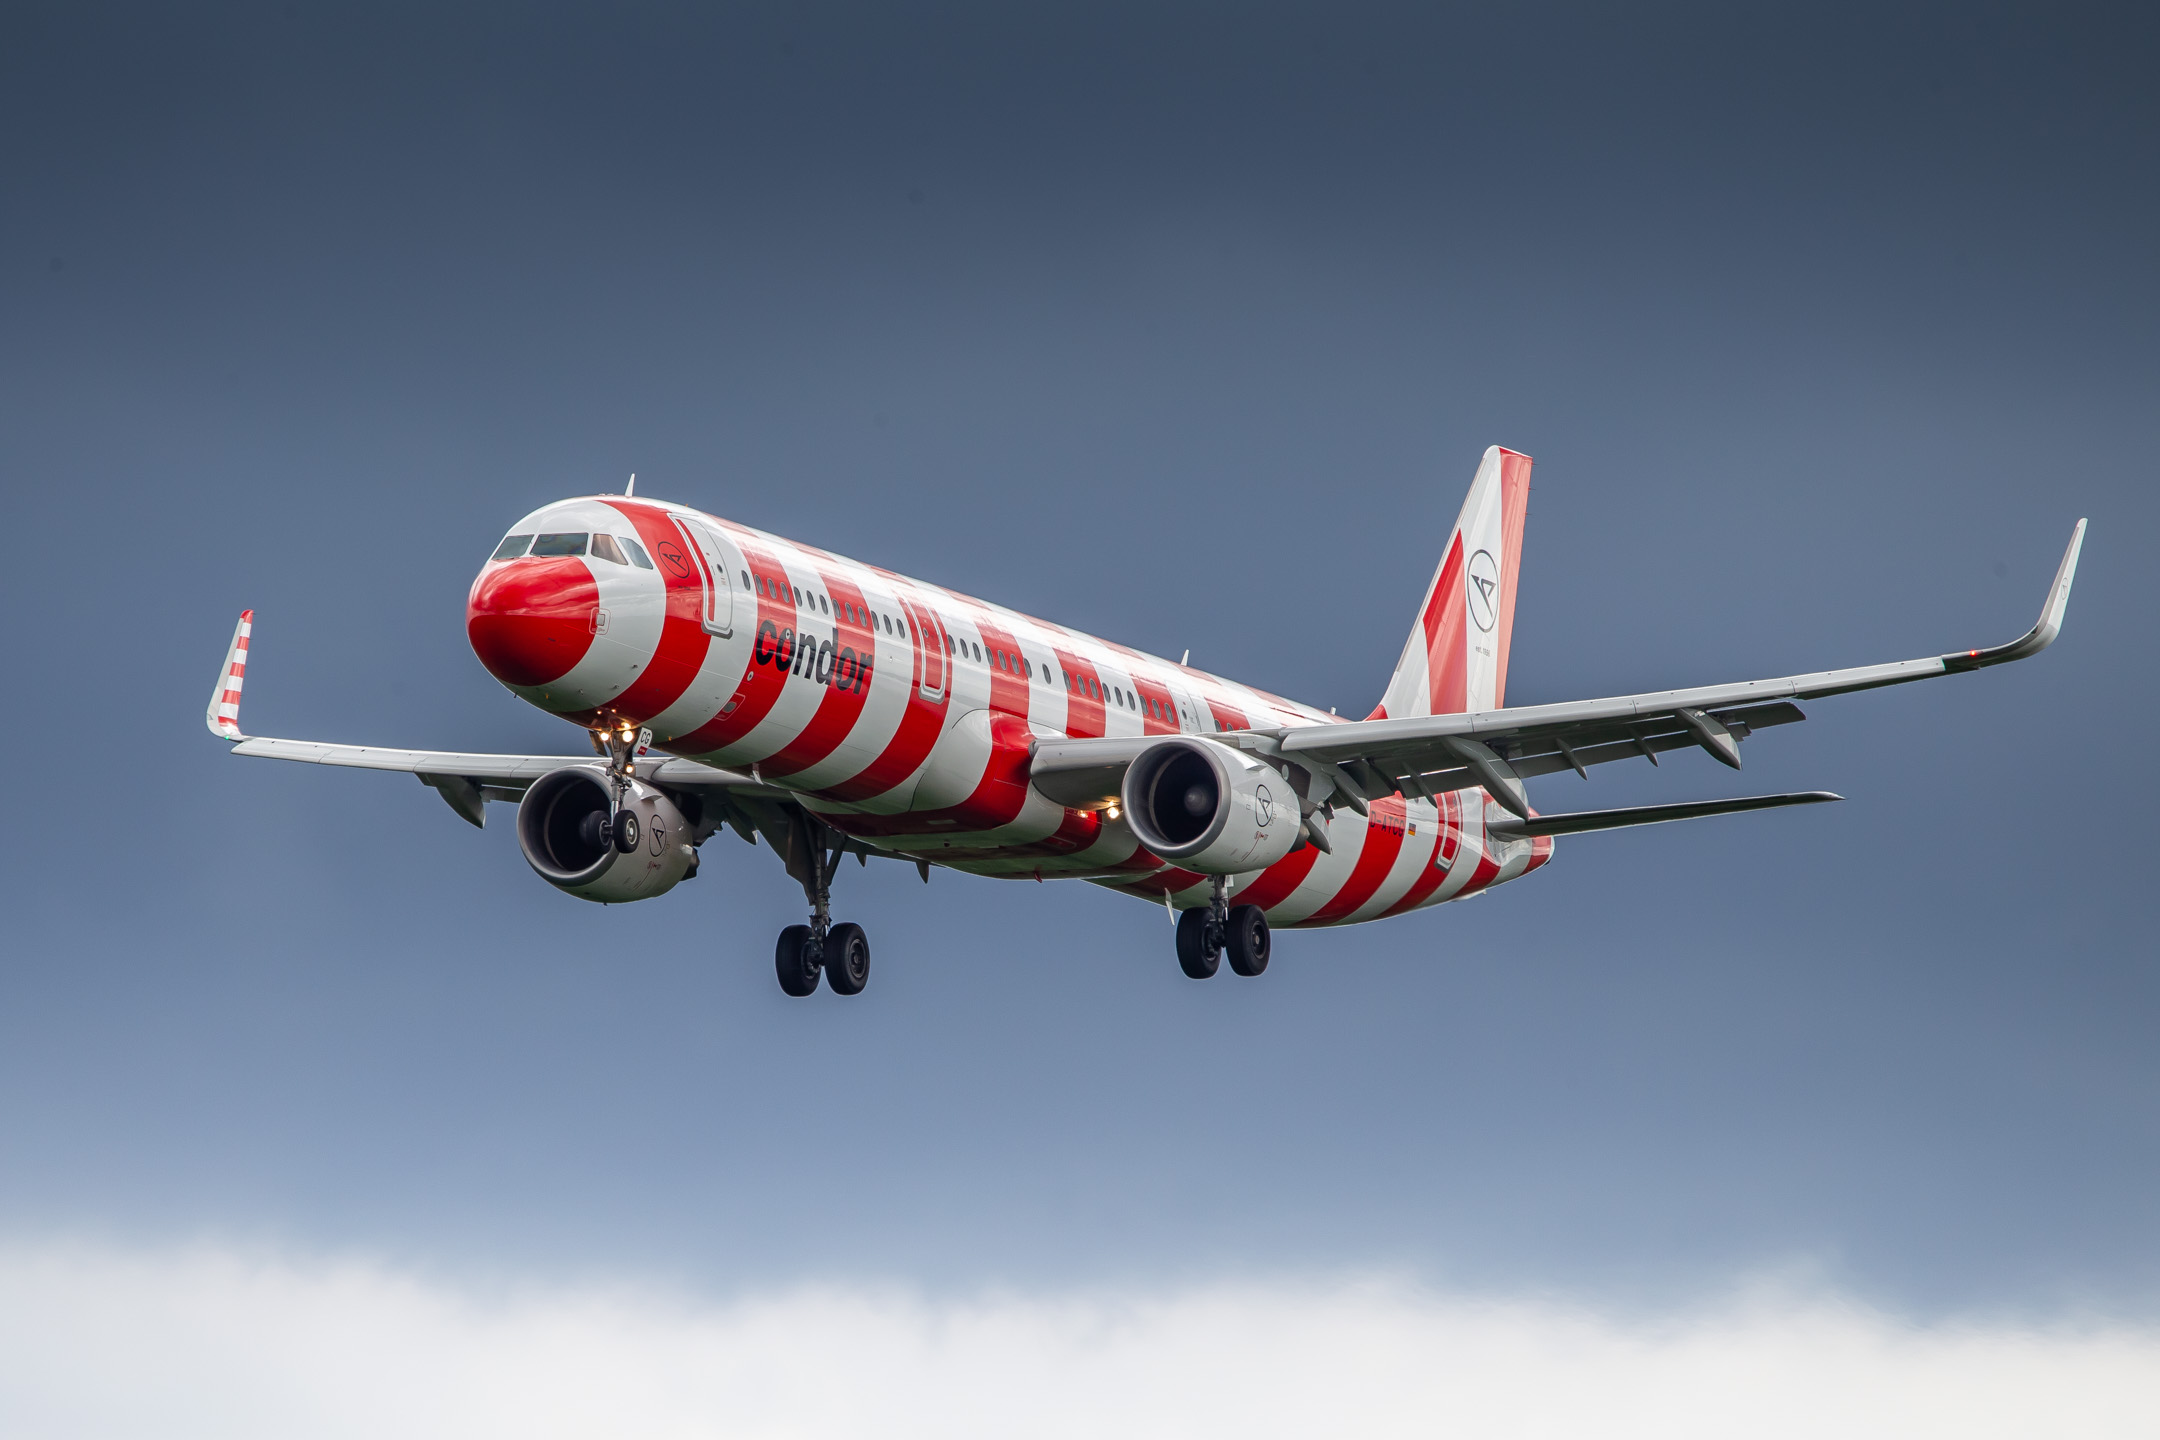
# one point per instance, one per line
(529, 621)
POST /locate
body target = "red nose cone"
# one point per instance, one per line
(531, 620)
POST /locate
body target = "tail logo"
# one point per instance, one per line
(1480, 585)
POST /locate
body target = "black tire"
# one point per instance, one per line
(1248, 940)
(625, 832)
(796, 961)
(847, 959)
(1195, 956)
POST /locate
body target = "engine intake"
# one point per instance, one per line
(573, 841)
(1209, 807)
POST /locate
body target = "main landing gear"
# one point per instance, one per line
(1204, 935)
(840, 953)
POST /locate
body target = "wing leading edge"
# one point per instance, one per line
(1496, 747)
(1361, 761)
(466, 781)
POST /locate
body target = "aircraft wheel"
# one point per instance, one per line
(847, 959)
(1248, 940)
(1195, 955)
(625, 832)
(796, 961)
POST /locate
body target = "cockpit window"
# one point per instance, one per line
(605, 548)
(512, 547)
(637, 553)
(559, 545)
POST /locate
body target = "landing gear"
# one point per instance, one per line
(1204, 934)
(841, 953)
(796, 960)
(1199, 944)
(1247, 941)
(847, 958)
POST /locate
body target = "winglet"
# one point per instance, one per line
(223, 717)
(2042, 635)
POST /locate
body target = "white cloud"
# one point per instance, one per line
(99, 1342)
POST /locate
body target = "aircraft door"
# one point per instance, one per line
(716, 564)
(930, 647)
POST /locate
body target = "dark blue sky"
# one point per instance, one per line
(1185, 324)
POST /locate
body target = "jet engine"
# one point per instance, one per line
(1209, 807)
(579, 841)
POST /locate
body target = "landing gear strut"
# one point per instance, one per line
(841, 953)
(1203, 935)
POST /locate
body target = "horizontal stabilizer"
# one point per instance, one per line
(1585, 820)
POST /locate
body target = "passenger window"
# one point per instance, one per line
(559, 545)
(761, 585)
(605, 548)
(746, 580)
(512, 547)
(887, 619)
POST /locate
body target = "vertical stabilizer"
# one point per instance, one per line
(1457, 655)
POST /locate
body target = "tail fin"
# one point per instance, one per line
(1456, 660)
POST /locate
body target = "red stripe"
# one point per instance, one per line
(995, 801)
(761, 686)
(919, 723)
(1374, 860)
(1227, 716)
(1083, 712)
(1481, 877)
(1447, 672)
(683, 642)
(1278, 880)
(1008, 690)
(1540, 852)
(1163, 721)
(839, 708)
(1169, 881)
(1446, 839)
(1514, 513)
(1076, 831)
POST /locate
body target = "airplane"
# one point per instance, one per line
(732, 679)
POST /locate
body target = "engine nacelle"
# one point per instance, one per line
(1209, 807)
(573, 842)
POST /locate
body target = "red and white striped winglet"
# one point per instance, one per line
(224, 714)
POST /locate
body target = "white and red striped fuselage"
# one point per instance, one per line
(902, 712)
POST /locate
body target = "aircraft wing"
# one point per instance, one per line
(1496, 749)
(465, 780)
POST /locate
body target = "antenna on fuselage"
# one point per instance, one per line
(631, 488)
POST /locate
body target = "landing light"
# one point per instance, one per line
(1111, 812)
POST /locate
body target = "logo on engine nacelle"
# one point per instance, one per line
(1480, 586)
(1263, 806)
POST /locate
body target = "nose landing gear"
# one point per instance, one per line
(1205, 934)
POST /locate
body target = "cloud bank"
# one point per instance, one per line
(99, 1342)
